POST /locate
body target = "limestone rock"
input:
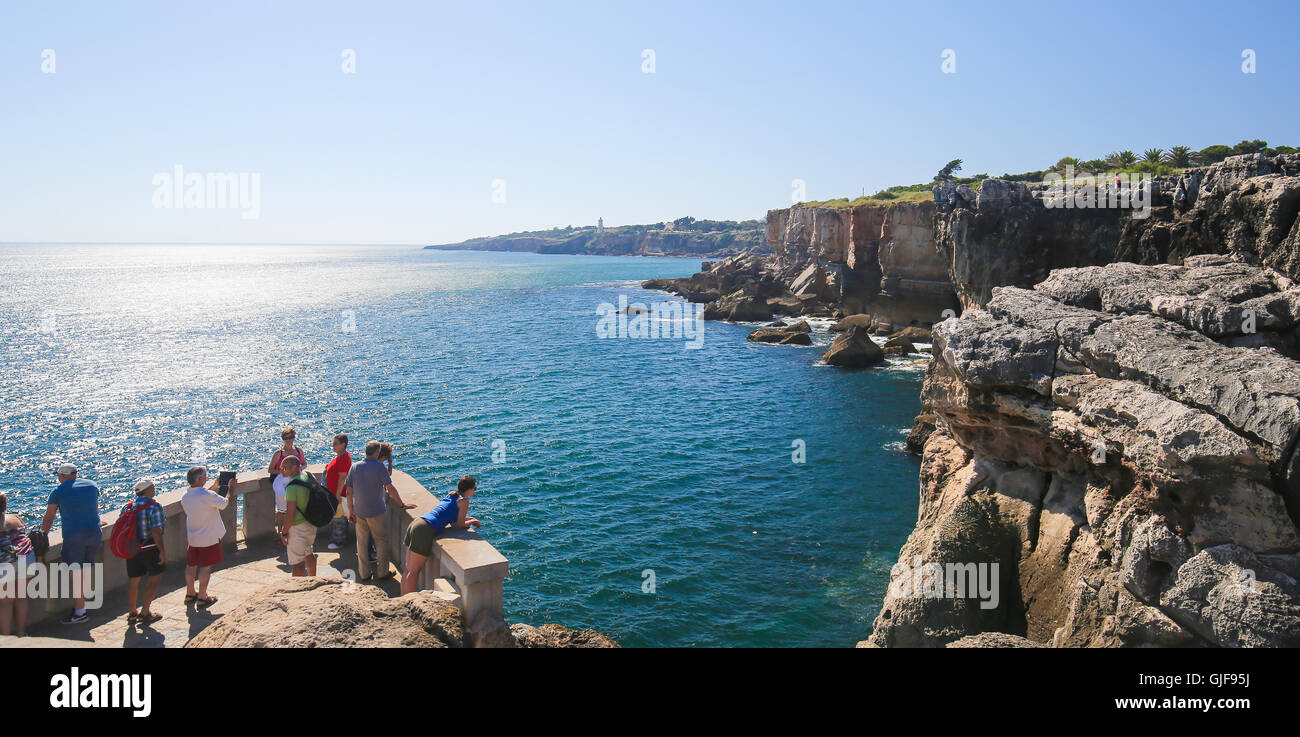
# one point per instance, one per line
(556, 636)
(844, 323)
(319, 612)
(854, 348)
(1135, 479)
(993, 639)
(791, 335)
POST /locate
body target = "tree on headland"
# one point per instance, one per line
(1065, 161)
(1179, 157)
(1153, 155)
(945, 174)
(1249, 147)
(1213, 154)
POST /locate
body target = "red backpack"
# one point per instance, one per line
(124, 542)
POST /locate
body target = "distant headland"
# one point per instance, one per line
(685, 237)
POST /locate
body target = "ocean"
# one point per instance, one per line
(731, 495)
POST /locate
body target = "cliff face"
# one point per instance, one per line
(875, 259)
(1121, 442)
(1006, 236)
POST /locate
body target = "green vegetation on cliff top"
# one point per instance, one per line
(1153, 161)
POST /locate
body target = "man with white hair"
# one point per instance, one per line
(76, 501)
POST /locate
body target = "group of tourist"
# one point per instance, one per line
(360, 490)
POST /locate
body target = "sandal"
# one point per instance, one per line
(205, 601)
(132, 618)
(150, 618)
(191, 598)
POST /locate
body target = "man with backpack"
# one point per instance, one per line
(309, 506)
(146, 523)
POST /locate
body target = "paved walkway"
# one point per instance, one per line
(240, 575)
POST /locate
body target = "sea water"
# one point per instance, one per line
(733, 494)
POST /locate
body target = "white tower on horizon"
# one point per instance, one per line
(600, 225)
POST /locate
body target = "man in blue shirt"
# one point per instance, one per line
(77, 503)
(366, 484)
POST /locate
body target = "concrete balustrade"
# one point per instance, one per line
(464, 570)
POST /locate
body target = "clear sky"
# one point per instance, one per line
(551, 98)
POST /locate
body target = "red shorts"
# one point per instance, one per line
(208, 556)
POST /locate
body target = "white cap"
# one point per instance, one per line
(143, 484)
(67, 469)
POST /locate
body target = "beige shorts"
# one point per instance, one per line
(301, 537)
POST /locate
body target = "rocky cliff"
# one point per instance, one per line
(1006, 235)
(1121, 442)
(872, 258)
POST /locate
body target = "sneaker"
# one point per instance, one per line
(74, 618)
(334, 546)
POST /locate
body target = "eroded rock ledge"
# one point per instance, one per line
(1121, 440)
(321, 612)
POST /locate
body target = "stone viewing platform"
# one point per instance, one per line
(466, 572)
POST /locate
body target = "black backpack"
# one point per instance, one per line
(321, 502)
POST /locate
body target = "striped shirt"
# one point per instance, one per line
(148, 517)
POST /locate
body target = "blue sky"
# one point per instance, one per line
(551, 99)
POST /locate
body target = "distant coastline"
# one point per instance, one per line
(685, 237)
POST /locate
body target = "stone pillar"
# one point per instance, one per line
(259, 513)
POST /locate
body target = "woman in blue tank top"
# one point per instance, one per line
(452, 512)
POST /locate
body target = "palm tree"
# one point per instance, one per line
(1153, 155)
(1179, 157)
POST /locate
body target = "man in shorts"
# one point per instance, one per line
(151, 558)
(76, 501)
(299, 534)
(204, 529)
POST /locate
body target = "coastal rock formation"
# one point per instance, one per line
(1007, 235)
(854, 348)
(555, 636)
(796, 334)
(1121, 441)
(831, 261)
(320, 612)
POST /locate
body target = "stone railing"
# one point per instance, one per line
(465, 570)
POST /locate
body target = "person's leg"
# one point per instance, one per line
(310, 563)
(20, 612)
(363, 548)
(6, 614)
(133, 594)
(150, 591)
(379, 533)
(411, 574)
(205, 573)
(189, 580)
(78, 588)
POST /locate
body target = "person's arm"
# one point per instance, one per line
(464, 521)
(274, 457)
(392, 491)
(289, 513)
(219, 501)
(48, 520)
(157, 534)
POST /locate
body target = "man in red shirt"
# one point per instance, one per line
(335, 473)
